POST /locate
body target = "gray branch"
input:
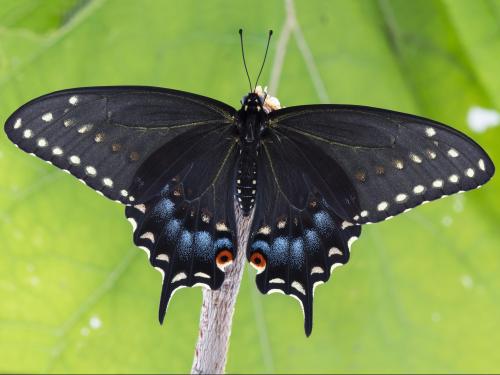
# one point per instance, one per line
(218, 307)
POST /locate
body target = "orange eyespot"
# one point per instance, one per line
(224, 258)
(258, 261)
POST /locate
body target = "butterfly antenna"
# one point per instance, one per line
(265, 55)
(244, 62)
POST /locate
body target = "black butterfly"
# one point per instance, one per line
(313, 173)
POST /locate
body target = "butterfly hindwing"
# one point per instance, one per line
(395, 161)
(102, 135)
(299, 234)
(187, 226)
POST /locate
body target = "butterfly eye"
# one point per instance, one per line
(258, 261)
(224, 258)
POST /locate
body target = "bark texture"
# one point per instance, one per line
(217, 310)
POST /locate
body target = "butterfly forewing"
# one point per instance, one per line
(103, 135)
(394, 161)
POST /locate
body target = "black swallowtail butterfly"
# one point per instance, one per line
(313, 173)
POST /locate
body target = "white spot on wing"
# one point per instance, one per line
(437, 183)
(401, 198)
(75, 160)
(415, 158)
(221, 227)
(364, 213)
(281, 224)
(27, 133)
(42, 142)
(163, 257)
(346, 224)
(453, 153)
(334, 251)
(141, 207)
(419, 189)
(317, 270)
(398, 164)
(107, 182)
(469, 172)
(266, 229)
(123, 193)
(481, 165)
(382, 206)
(90, 170)
(68, 122)
(149, 236)
(202, 274)
(180, 276)
(277, 280)
(73, 100)
(18, 123)
(57, 151)
(430, 132)
(85, 128)
(47, 117)
(453, 178)
(298, 286)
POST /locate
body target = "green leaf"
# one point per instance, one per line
(420, 293)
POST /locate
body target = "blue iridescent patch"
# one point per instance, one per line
(203, 245)
(185, 243)
(261, 246)
(223, 243)
(323, 221)
(297, 252)
(312, 240)
(164, 208)
(172, 229)
(279, 250)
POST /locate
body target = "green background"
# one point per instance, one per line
(421, 292)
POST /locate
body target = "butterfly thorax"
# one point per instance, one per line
(252, 120)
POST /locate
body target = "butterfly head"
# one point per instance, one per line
(252, 119)
(252, 102)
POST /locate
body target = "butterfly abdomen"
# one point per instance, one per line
(246, 178)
